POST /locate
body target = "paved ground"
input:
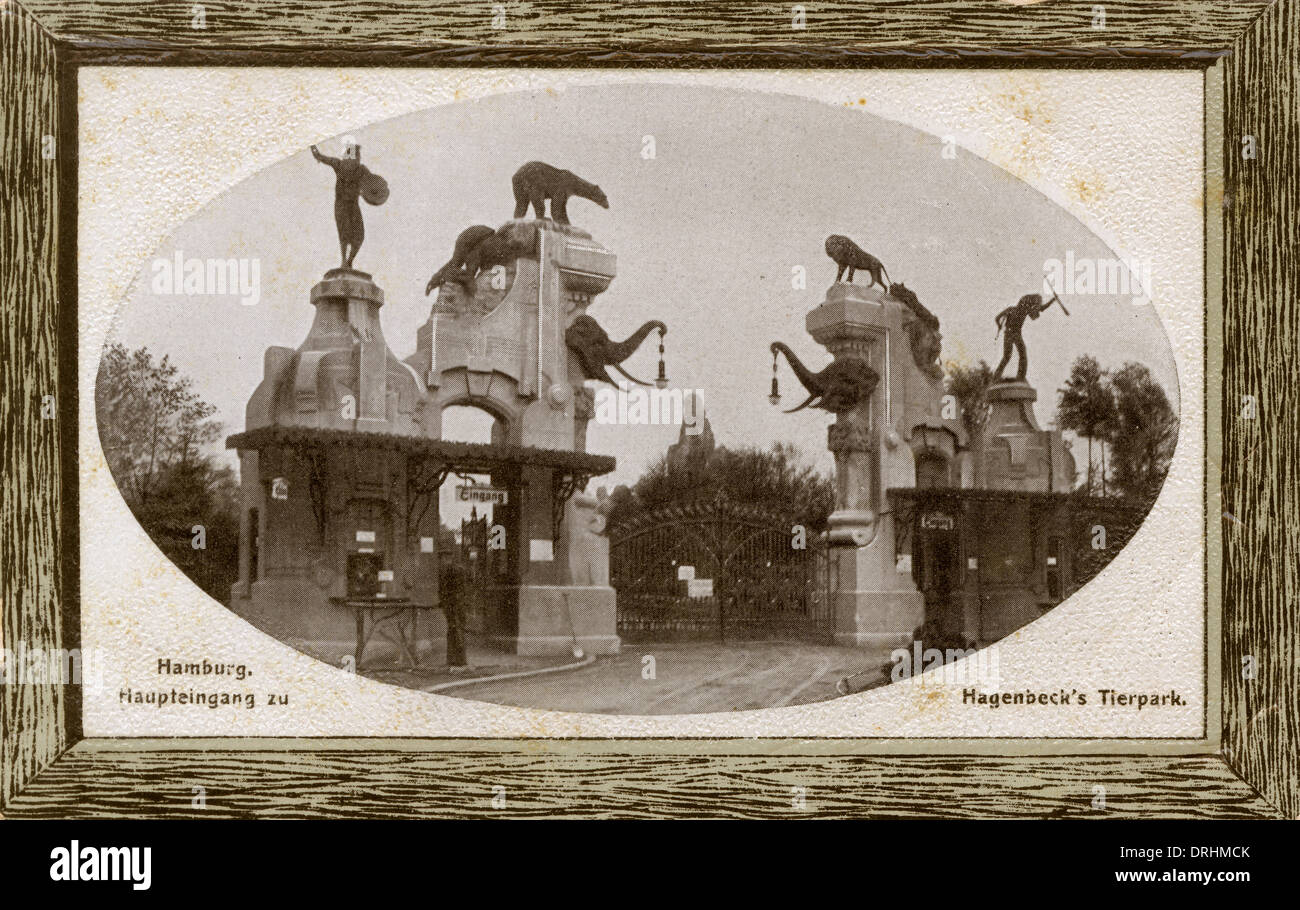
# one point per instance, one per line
(383, 661)
(689, 677)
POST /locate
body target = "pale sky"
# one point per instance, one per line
(742, 188)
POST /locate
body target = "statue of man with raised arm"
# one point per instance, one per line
(1012, 322)
(352, 181)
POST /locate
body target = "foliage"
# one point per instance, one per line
(1145, 433)
(153, 429)
(970, 386)
(1120, 520)
(1087, 406)
(1129, 413)
(775, 477)
(150, 419)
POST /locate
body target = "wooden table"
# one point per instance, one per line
(379, 614)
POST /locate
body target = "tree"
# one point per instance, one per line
(153, 429)
(1145, 433)
(775, 477)
(150, 420)
(970, 386)
(1087, 407)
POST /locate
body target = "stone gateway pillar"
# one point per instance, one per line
(325, 489)
(875, 601)
(1016, 453)
(498, 343)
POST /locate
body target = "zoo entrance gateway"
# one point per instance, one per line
(341, 458)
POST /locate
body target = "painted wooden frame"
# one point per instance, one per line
(1249, 52)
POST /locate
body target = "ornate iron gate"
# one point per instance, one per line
(716, 569)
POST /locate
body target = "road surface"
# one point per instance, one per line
(686, 678)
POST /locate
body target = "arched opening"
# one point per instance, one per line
(478, 514)
(931, 470)
(470, 423)
(467, 423)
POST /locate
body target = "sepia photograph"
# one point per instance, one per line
(542, 411)
(626, 399)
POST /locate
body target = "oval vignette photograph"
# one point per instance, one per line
(786, 403)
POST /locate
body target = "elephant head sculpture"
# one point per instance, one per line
(596, 351)
(838, 388)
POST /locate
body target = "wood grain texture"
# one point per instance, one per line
(590, 31)
(1261, 478)
(90, 782)
(32, 720)
(37, 722)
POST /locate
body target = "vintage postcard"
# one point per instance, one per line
(643, 404)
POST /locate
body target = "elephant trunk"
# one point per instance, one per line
(806, 377)
(617, 352)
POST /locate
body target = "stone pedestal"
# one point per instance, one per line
(850, 325)
(553, 617)
(1015, 453)
(1012, 406)
(343, 376)
(875, 604)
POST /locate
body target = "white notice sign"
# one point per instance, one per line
(685, 573)
(700, 587)
(365, 537)
(540, 550)
(474, 493)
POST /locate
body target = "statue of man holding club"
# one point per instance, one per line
(1012, 321)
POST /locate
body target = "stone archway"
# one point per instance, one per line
(503, 422)
(498, 344)
(936, 456)
(492, 392)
